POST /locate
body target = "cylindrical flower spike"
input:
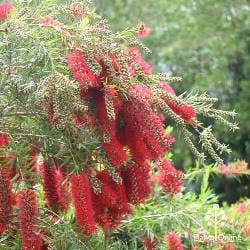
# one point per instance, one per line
(82, 200)
(173, 241)
(5, 202)
(27, 215)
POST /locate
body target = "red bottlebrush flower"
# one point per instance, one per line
(81, 195)
(50, 185)
(111, 204)
(135, 179)
(186, 112)
(135, 55)
(63, 189)
(27, 215)
(115, 151)
(166, 87)
(144, 123)
(8, 166)
(4, 140)
(77, 10)
(5, 202)
(49, 22)
(173, 241)
(229, 246)
(150, 244)
(170, 178)
(56, 194)
(5, 9)
(80, 70)
(143, 30)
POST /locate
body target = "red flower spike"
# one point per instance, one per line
(81, 72)
(115, 152)
(166, 87)
(135, 55)
(5, 202)
(51, 186)
(81, 195)
(135, 179)
(27, 215)
(142, 122)
(63, 190)
(111, 205)
(185, 111)
(170, 178)
(173, 241)
(5, 9)
(4, 140)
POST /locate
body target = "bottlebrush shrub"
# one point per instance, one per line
(91, 107)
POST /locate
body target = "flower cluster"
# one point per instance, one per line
(28, 212)
(54, 184)
(99, 124)
(5, 9)
(169, 178)
(6, 205)
(173, 241)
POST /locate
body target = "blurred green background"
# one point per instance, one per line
(206, 43)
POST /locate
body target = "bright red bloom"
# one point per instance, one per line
(80, 70)
(111, 204)
(27, 215)
(135, 179)
(142, 124)
(185, 111)
(115, 151)
(166, 87)
(170, 178)
(229, 246)
(143, 30)
(77, 10)
(81, 195)
(5, 202)
(63, 190)
(50, 185)
(4, 140)
(5, 9)
(135, 55)
(173, 241)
